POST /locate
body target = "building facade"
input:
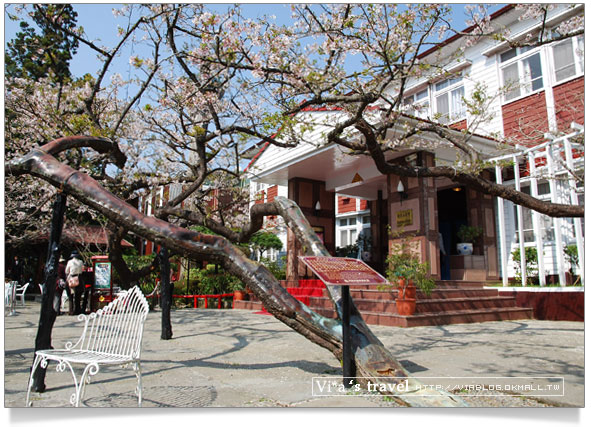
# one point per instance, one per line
(536, 104)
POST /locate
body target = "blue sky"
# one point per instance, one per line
(99, 23)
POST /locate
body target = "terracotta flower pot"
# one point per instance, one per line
(239, 295)
(406, 307)
(409, 292)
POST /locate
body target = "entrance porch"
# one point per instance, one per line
(428, 210)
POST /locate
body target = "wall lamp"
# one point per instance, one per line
(401, 191)
(317, 207)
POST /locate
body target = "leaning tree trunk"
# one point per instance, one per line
(48, 313)
(372, 360)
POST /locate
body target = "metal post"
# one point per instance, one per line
(348, 367)
(536, 220)
(48, 314)
(503, 242)
(557, 223)
(166, 294)
(522, 257)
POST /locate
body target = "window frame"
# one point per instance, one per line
(447, 90)
(547, 226)
(354, 224)
(522, 54)
(418, 107)
(579, 60)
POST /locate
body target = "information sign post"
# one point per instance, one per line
(344, 272)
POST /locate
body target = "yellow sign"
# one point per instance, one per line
(404, 218)
(357, 178)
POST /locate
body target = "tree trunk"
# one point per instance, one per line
(127, 277)
(166, 295)
(372, 360)
(48, 314)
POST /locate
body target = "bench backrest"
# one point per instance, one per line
(116, 329)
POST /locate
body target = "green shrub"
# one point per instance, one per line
(263, 241)
(469, 234)
(349, 251)
(207, 282)
(404, 263)
(278, 269)
(531, 264)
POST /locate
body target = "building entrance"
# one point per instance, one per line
(452, 213)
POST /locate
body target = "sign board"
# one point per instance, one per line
(343, 271)
(102, 275)
(404, 218)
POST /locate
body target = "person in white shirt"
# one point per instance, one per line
(74, 269)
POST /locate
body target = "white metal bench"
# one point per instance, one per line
(111, 336)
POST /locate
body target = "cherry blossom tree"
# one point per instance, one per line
(209, 84)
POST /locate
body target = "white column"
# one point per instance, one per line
(557, 222)
(575, 201)
(548, 90)
(536, 220)
(522, 257)
(502, 241)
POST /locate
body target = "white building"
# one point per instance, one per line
(540, 94)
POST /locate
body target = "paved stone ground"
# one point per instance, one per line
(235, 358)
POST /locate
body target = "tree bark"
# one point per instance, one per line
(48, 314)
(127, 276)
(372, 360)
(166, 296)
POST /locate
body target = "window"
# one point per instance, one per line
(547, 224)
(348, 236)
(417, 104)
(448, 100)
(521, 74)
(568, 58)
(347, 231)
(347, 221)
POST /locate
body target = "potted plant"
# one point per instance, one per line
(234, 284)
(468, 235)
(239, 295)
(408, 272)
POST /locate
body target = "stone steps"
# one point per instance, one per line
(450, 302)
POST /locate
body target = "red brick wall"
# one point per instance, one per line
(461, 125)
(526, 120)
(551, 305)
(272, 193)
(569, 99)
(347, 204)
(363, 205)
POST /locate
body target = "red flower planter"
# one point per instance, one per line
(406, 302)
(409, 292)
(240, 295)
(406, 307)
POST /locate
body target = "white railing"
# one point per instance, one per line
(554, 162)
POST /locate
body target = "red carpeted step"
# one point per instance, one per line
(315, 292)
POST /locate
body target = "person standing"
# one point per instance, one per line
(60, 286)
(74, 269)
(16, 270)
